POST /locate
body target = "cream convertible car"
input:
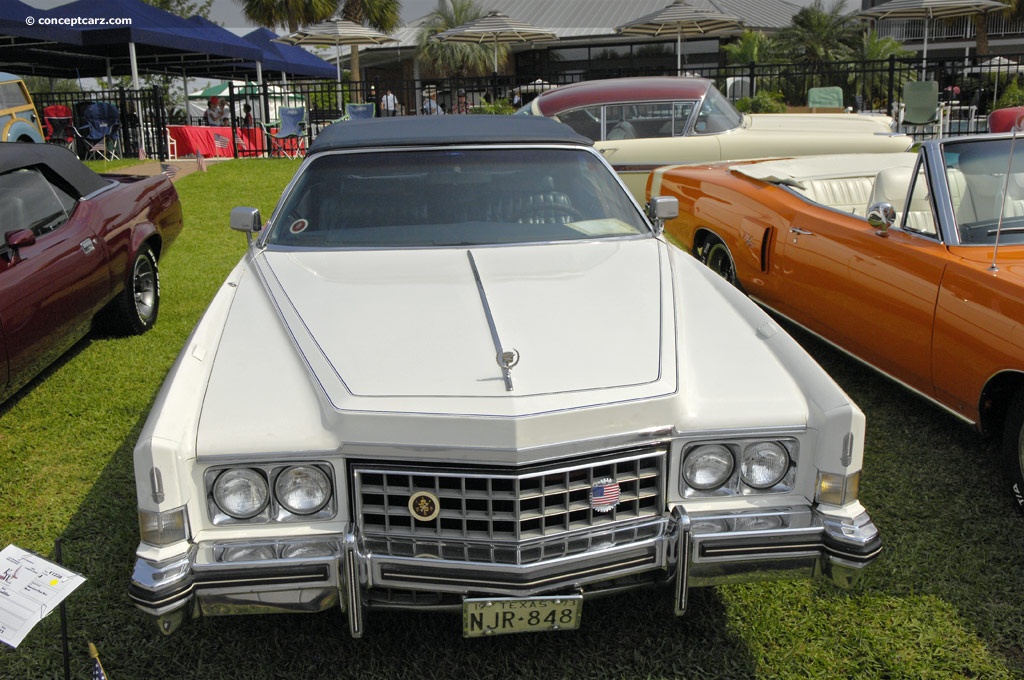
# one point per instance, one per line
(643, 123)
(458, 368)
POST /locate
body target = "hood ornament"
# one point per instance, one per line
(507, 361)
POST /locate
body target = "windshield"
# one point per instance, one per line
(986, 191)
(454, 197)
(716, 114)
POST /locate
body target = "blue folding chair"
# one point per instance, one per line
(101, 131)
(356, 111)
(291, 126)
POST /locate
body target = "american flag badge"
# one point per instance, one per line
(604, 495)
(424, 506)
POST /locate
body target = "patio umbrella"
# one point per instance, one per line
(336, 32)
(928, 10)
(682, 20)
(495, 28)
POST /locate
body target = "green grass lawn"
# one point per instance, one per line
(946, 599)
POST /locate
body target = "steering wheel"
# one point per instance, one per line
(544, 210)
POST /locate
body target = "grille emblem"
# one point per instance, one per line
(424, 506)
(604, 495)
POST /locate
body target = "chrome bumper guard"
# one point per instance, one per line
(314, 574)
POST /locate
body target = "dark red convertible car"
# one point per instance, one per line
(76, 245)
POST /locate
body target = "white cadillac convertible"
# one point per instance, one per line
(460, 369)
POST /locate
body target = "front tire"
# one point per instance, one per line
(1013, 447)
(716, 256)
(135, 308)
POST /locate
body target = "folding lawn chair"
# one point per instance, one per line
(100, 131)
(291, 126)
(58, 124)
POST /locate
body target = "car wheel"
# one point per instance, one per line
(136, 307)
(715, 254)
(1013, 447)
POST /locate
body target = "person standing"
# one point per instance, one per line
(389, 104)
(460, 105)
(430, 105)
(214, 114)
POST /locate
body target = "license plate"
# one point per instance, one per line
(503, 615)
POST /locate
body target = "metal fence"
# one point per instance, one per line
(969, 86)
(142, 117)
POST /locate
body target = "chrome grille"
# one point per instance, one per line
(540, 505)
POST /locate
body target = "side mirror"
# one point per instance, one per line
(19, 238)
(881, 216)
(246, 219)
(661, 208)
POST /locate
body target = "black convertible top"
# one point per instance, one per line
(432, 130)
(57, 162)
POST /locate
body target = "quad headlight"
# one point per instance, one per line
(302, 489)
(739, 467)
(763, 464)
(708, 466)
(270, 492)
(241, 492)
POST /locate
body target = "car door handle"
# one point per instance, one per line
(802, 232)
(88, 245)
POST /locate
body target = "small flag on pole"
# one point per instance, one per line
(97, 668)
(169, 170)
(220, 141)
(142, 153)
(200, 161)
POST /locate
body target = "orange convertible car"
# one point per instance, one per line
(910, 262)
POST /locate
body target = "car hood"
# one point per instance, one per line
(613, 337)
(424, 323)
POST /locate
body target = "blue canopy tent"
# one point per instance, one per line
(280, 59)
(19, 41)
(156, 41)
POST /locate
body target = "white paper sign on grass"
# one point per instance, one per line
(30, 588)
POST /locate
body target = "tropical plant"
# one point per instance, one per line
(290, 13)
(818, 36)
(872, 83)
(751, 47)
(453, 59)
(764, 101)
(1012, 95)
(500, 107)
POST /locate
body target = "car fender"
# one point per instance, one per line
(18, 129)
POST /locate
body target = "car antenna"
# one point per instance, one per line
(1017, 125)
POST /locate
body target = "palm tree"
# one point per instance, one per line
(818, 36)
(448, 59)
(1014, 10)
(290, 13)
(751, 47)
(383, 15)
(872, 84)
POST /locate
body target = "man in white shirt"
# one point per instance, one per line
(389, 104)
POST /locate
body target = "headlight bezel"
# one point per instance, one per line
(274, 511)
(736, 484)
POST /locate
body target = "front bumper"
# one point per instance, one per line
(687, 550)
